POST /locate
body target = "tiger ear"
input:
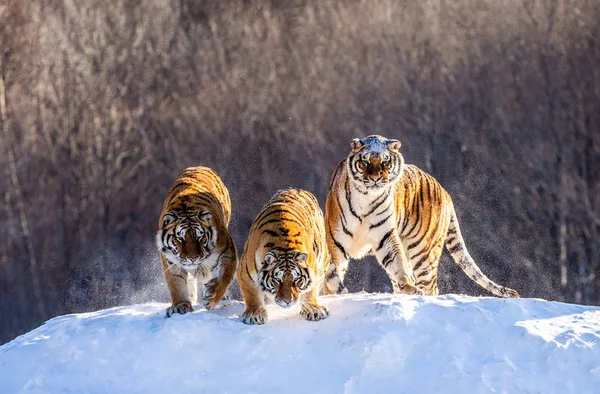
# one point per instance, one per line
(356, 145)
(393, 145)
(205, 215)
(301, 258)
(270, 258)
(169, 218)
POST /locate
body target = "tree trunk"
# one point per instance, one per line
(12, 167)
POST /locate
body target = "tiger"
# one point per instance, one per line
(377, 204)
(285, 257)
(193, 240)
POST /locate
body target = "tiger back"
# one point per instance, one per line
(377, 204)
(193, 240)
(285, 257)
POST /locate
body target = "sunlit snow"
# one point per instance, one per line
(371, 343)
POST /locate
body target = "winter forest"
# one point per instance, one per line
(103, 103)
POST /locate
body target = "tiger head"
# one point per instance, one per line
(285, 276)
(375, 162)
(186, 238)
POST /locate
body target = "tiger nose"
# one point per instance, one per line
(375, 177)
(193, 259)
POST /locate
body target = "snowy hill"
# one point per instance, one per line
(371, 343)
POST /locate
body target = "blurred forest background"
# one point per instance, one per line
(104, 102)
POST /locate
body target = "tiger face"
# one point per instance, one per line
(186, 238)
(285, 276)
(375, 162)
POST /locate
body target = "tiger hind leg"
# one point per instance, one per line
(334, 276)
(425, 266)
(390, 254)
(224, 272)
(427, 279)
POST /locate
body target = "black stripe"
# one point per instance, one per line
(408, 231)
(164, 238)
(332, 274)
(346, 230)
(281, 220)
(341, 209)
(274, 210)
(338, 245)
(354, 170)
(380, 222)
(420, 262)
(349, 200)
(405, 221)
(416, 208)
(385, 209)
(426, 283)
(385, 238)
(420, 223)
(413, 245)
(418, 215)
(451, 241)
(227, 246)
(426, 271)
(388, 259)
(269, 245)
(455, 248)
(282, 249)
(377, 203)
(271, 233)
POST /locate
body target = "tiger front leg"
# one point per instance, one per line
(392, 257)
(192, 286)
(334, 276)
(255, 312)
(178, 288)
(310, 309)
(215, 288)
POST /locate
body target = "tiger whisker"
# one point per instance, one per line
(169, 268)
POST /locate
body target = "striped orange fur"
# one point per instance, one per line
(285, 257)
(193, 240)
(378, 204)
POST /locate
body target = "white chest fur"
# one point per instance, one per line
(365, 220)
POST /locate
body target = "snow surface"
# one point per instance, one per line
(371, 343)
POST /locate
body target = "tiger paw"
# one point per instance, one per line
(334, 285)
(411, 290)
(181, 308)
(340, 289)
(509, 293)
(255, 317)
(209, 299)
(314, 312)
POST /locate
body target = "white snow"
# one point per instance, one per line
(371, 343)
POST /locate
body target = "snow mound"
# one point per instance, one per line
(370, 343)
